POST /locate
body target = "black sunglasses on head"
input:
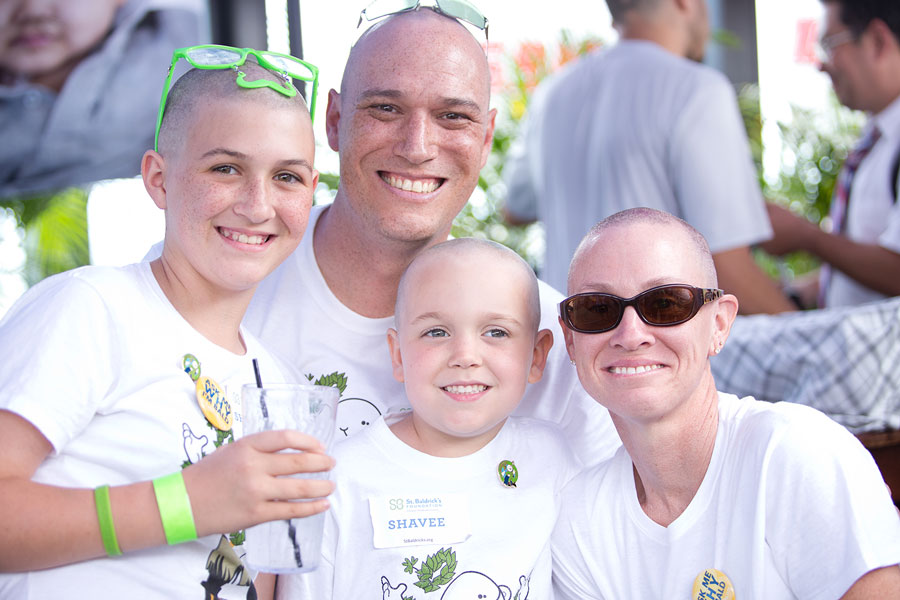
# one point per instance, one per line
(662, 306)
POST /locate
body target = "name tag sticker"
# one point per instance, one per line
(413, 520)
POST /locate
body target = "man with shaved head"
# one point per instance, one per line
(413, 126)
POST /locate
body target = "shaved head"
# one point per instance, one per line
(199, 87)
(418, 26)
(699, 249)
(476, 251)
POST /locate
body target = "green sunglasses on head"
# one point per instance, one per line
(213, 56)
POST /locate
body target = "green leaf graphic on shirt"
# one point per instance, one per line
(409, 565)
(237, 538)
(437, 570)
(222, 437)
(338, 380)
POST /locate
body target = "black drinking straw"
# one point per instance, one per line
(262, 395)
(292, 531)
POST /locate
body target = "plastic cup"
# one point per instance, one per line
(289, 546)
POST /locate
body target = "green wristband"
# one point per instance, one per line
(175, 508)
(105, 517)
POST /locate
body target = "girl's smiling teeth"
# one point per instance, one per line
(420, 186)
(465, 389)
(243, 238)
(633, 370)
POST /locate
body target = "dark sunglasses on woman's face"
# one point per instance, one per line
(661, 306)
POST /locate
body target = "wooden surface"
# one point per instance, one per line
(885, 448)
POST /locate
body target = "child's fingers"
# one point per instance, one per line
(291, 488)
(283, 439)
(302, 489)
(292, 463)
(296, 510)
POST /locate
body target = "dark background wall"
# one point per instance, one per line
(739, 18)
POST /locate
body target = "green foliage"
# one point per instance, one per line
(814, 146)
(55, 228)
(329, 180)
(483, 216)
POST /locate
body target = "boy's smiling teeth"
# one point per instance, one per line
(633, 370)
(465, 389)
(408, 185)
(243, 238)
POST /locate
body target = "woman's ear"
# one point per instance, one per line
(726, 311)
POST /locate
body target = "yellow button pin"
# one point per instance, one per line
(712, 584)
(214, 404)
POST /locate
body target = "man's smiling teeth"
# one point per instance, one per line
(243, 238)
(408, 185)
(633, 370)
(465, 389)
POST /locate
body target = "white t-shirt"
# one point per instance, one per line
(873, 214)
(629, 126)
(93, 359)
(792, 506)
(505, 550)
(297, 316)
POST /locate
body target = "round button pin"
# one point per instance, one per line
(508, 473)
(191, 366)
(712, 584)
(214, 404)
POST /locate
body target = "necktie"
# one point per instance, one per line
(841, 198)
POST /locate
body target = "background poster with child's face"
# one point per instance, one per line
(80, 82)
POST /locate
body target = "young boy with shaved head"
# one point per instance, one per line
(457, 496)
(120, 395)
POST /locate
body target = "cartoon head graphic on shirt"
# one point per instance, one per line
(472, 585)
(438, 571)
(355, 413)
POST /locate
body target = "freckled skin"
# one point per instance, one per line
(241, 175)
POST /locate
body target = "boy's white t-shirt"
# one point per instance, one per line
(93, 359)
(506, 552)
(792, 506)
